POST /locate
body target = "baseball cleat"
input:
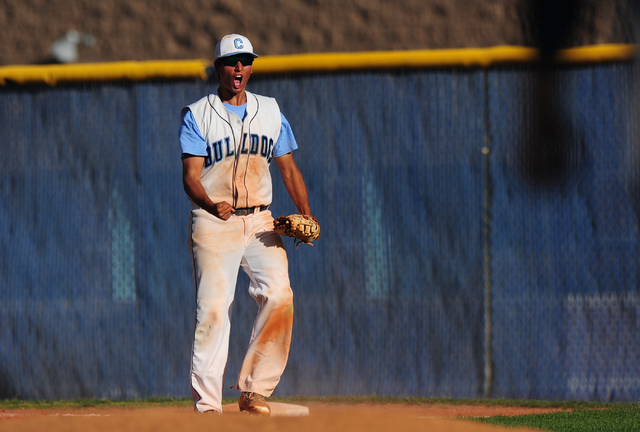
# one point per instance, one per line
(253, 403)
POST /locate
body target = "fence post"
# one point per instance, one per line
(487, 202)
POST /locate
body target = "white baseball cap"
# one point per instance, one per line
(233, 44)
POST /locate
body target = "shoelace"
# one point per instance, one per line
(250, 396)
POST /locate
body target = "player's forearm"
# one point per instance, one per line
(195, 191)
(297, 189)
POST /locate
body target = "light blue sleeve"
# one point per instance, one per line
(286, 141)
(191, 140)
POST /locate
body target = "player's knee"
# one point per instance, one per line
(282, 296)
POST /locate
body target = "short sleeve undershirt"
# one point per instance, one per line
(192, 141)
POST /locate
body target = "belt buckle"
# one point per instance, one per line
(250, 210)
(245, 211)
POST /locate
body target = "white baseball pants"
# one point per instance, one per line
(218, 249)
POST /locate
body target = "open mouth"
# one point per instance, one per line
(237, 81)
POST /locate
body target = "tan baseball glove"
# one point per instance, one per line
(304, 229)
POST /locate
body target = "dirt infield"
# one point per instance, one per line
(323, 417)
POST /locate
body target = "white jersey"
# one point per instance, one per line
(236, 168)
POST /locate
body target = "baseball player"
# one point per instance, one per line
(228, 140)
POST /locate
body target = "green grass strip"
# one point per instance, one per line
(448, 401)
(161, 402)
(92, 403)
(618, 419)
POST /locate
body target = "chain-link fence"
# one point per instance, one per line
(565, 235)
(466, 250)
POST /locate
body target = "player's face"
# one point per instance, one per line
(234, 73)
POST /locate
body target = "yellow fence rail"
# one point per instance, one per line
(298, 63)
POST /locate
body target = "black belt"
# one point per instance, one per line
(250, 210)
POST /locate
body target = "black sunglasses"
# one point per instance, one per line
(233, 60)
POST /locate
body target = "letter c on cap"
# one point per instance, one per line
(238, 43)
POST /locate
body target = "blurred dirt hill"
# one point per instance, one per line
(188, 29)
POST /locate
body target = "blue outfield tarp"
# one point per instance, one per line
(421, 182)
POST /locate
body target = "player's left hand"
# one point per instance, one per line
(304, 229)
